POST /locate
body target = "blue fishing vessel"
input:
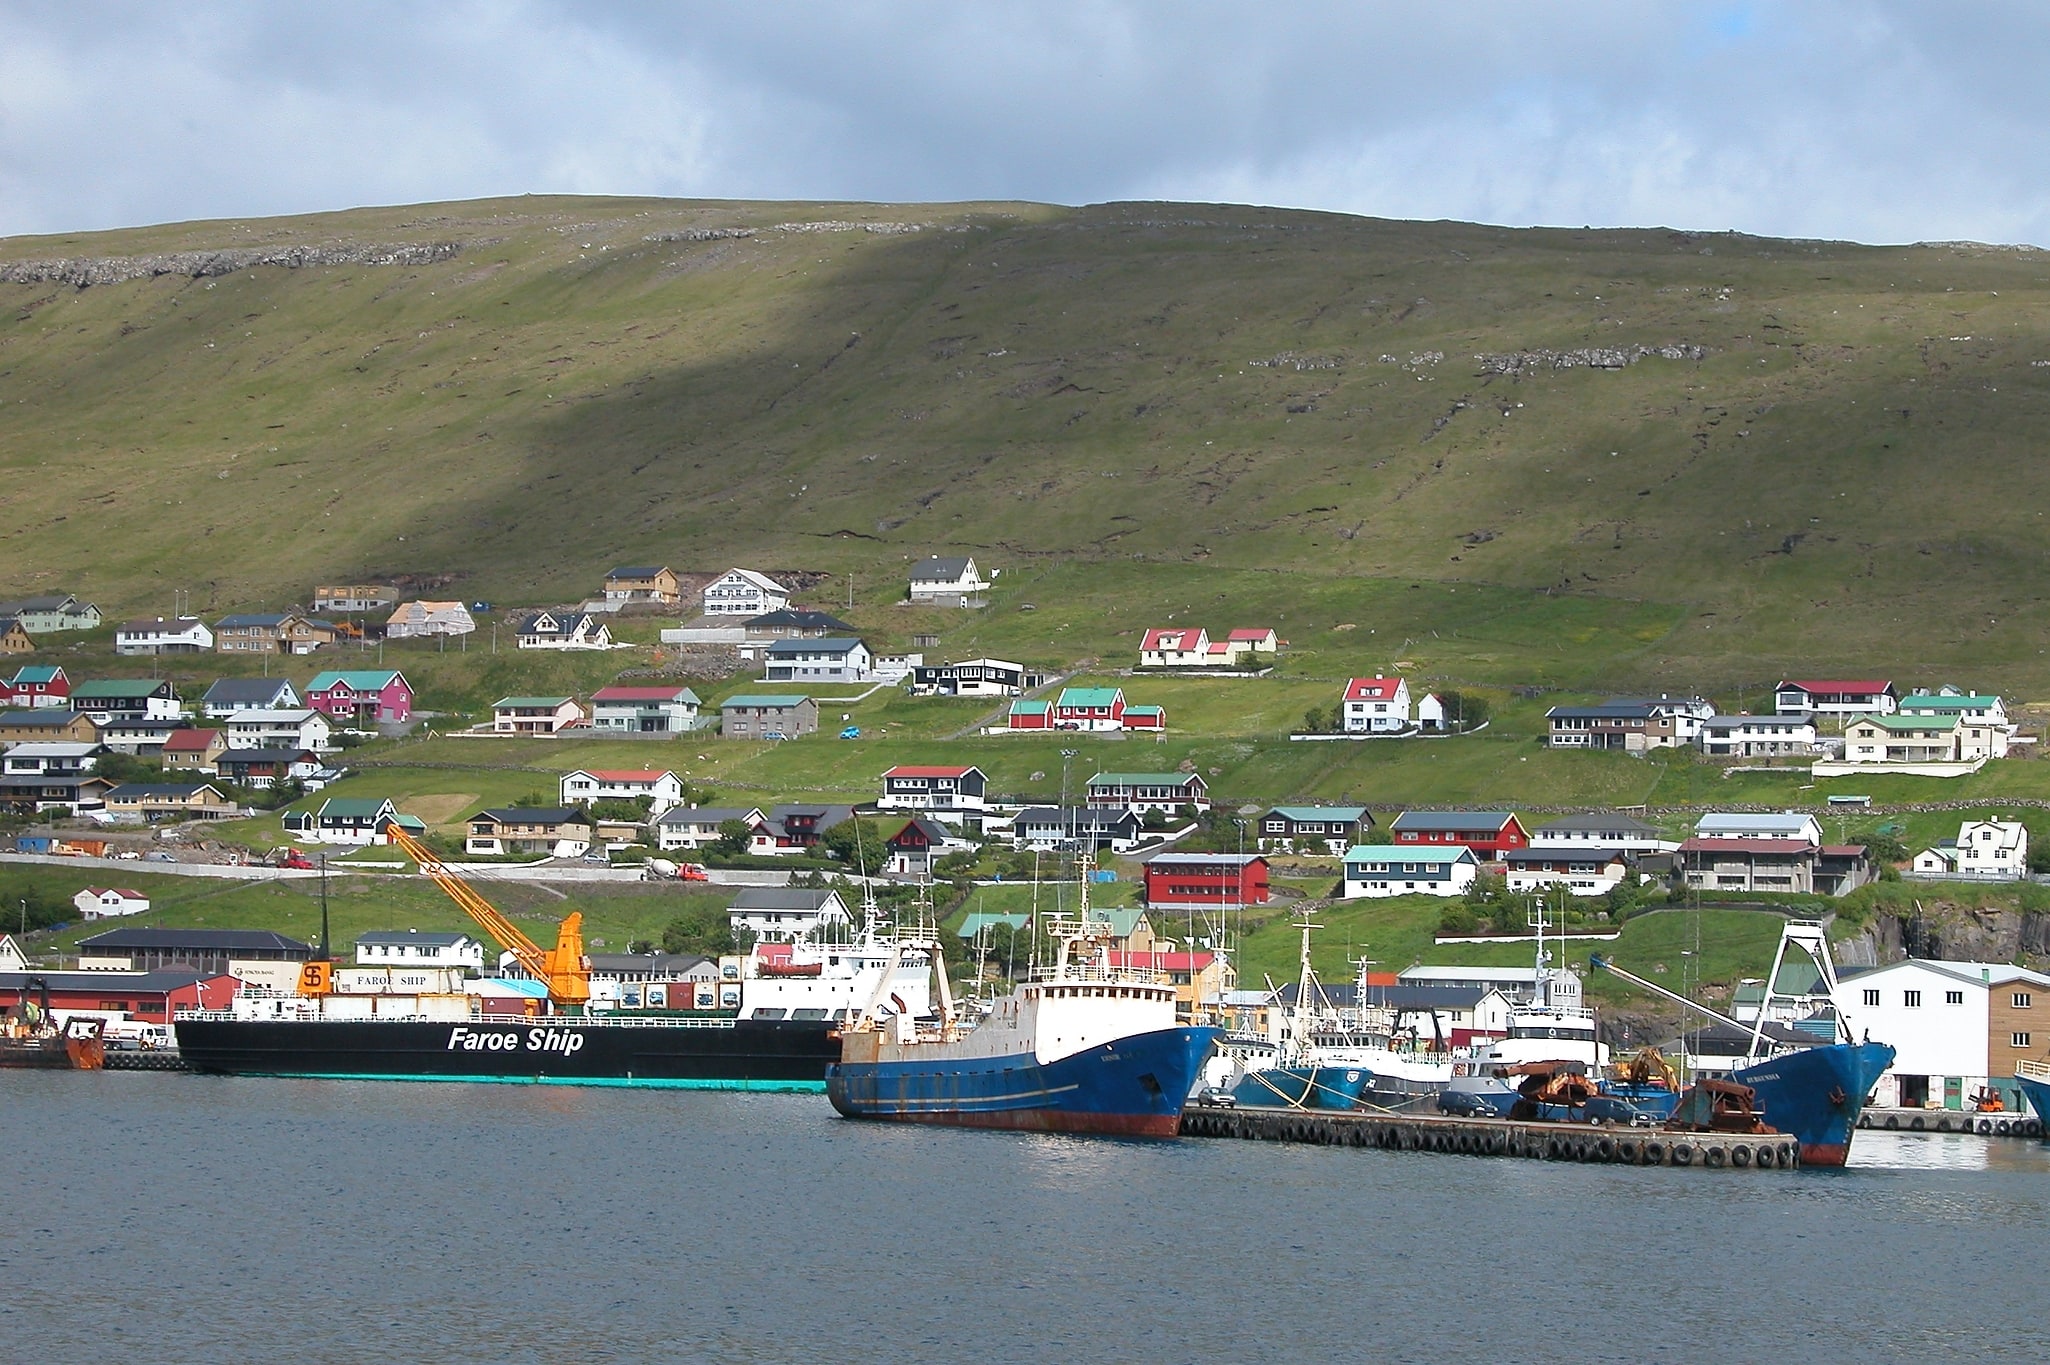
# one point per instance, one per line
(2034, 1080)
(1815, 1094)
(1303, 1087)
(1084, 1047)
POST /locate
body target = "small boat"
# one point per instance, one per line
(31, 1037)
(1082, 1047)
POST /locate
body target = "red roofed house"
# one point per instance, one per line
(1174, 648)
(1211, 880)
(193, 751)
(940, 790)
(1489, 833)
(109, 902)
(1199, 977)
(1375, 706)
(663, 789)
(1836, 697)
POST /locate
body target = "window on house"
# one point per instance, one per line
(2020, 1040)
(2021, 1000)
(1953, 997)
(1912, 999)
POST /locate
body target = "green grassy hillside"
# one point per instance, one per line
(1132, 409)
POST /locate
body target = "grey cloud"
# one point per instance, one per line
(1874, 121)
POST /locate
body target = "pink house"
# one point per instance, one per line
(362, 696)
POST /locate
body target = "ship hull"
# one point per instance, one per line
(2038, 1094)
(1303, 1087)
(734, 1054)
(1132, 1087)
(1816, 1094)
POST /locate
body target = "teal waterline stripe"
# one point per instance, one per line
(610, 1082)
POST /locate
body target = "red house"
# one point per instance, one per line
(151, 996)
(36, 685)
(1489, 833)
(913, 848)
(1031, 713)
(1089, 708)
(1206, 879)
(362, 696)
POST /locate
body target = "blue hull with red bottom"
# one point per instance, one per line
(1816, 1094)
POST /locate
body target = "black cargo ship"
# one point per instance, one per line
(676, 1051)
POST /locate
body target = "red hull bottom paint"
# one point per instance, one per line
(1051, 1121)
(1825, 1154)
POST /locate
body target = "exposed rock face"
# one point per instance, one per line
(1594, 357)
(1952, 933)
(84, 271)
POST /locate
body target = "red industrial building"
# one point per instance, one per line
(152, 997)
(1206, 879)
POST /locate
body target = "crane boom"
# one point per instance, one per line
(562, 967)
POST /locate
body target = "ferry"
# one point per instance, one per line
(1080, 1047)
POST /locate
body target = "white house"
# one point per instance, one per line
(1582, 871)
(50, 758)
(659, 710)
(1792, 824)
(535, 715)
(416, 620)
(164, 635)
(1430, 713)
(1984, 850)
(109, 902)
(695, 827)
(663, 789)
(1954, 1027)
(229, 695)
(947, 582)
(1951, 701)
(411, 948)
(743, 592)
(279, 728)
(785, 914)
(1603, 829)
(1376, 706)
(1379, 870)
(1748, 736)
(831, 660)
(564, 630)
(1170, 648)
(1837, 697)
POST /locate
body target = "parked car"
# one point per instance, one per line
(1216, 1097)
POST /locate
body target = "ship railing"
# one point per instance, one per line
(1554, 1011)
(1087, 973)
(508, 1020)
(2037, 1071)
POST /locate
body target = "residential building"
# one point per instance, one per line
(1897, 739)
(1489, 833)
(1430, 714)
(286, 727)
(418, 620)
(412, 948)
(1379, 870)
(154, 801)
(563, 630)
(1951, 701)
(795, 830)
(1213, 880)
(554, 831)
(1188, 647)
(230, 695)
(161, 635)
(1138, 718)
(353, 598)
(194, 750)
(14, 638)
(143, 738)
(1955, 1027)
(833, 659)
(37, 685)
(974, 678)
(67, 793)
(262, 769)
(913, 849)
(1984, 850)
(948, 582)
(50, 757)
(661, 789)
(1029, 713)
(1090, 708)
(1375, 706)
(47, 722)
(362, 698)
(1749, 736)
(286, 632)
(793, 623)
(1100, 828)
(656, 710)
(743, 592)
(1602, 829)
(52, 612)
(768, 716)
(1581, 871)
(1836, 697)
(643, 583)
(1791, 866)
(940, 790)
(358, 820)
(1199, 976)
(139, 949)
(1314, 829)
(112, 699)
(535, 715)
(697, 827)
(1168, 793)
(109, 902)
(786, 914)
(1790, 824)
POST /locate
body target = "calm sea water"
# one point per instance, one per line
(154, 1217)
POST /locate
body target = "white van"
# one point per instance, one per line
(132, 1035)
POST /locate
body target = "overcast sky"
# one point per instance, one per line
(1857, 119)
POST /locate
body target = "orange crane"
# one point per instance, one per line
(563, 967)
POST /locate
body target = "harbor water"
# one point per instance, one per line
(157, 1216)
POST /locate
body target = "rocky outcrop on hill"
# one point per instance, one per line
(1591, 357)
(1952, 933)
(85, 271)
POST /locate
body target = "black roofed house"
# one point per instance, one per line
(913, 849)
(229, 695)
(763, 715)
(948, 582)
(940, 789)
(1100, 827)
(796, 829)
(52, 611)
(563, 630)
(643, 583)
(642, 968)
(975, 678)
(163, 635)
(284, 632)
(205, 950)
(112, 699)
(66, 792)
(554, 831)
(695, 827)
(262, 769)
(793, 623)
(47, 722)
(1581, 871)
(14, 639)
(1308, 828)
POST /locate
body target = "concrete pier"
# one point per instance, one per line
(1952, 1121)
(1498, 1137)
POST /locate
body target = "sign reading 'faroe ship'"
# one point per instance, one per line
(462, 1039)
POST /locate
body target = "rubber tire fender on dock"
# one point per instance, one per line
(1655, 1152)
(1765, 1158)
(2003, 1126)
(1943, 1124)
(1917, 1124)
(1985, 1125)
(1605, 1148)
(1893, 1123)
(2033, 1128)
(1626, 1150)
(1740, 1156)
(1683, 1154)
(1714, 1157)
